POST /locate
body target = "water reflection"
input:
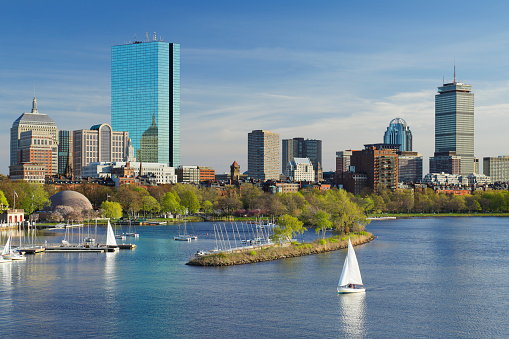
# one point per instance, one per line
(352, 311)
(110, 275)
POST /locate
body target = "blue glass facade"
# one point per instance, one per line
(399, 133)
(145, 98)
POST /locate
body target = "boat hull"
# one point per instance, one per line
(346, 290)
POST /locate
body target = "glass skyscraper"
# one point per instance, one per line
(145, 98)
(454, 123)
(399, 133)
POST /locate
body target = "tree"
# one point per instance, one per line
(170, 202)
(150, 204)
(322, 222)
(111, 209)
(190, 201)
(4, 204)
(207, 206)
(32, 197)
(287, 227)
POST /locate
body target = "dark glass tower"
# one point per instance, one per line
(145, 98)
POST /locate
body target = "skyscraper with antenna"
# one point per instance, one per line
(454, 125)
(145, 98)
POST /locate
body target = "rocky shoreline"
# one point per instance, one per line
(277, 252)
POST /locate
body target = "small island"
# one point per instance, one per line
(281, 251)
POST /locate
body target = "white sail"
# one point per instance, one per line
(110, 236)
(7, 247)
(351, 273)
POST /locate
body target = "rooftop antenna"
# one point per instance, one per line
(134, 37)
(443, 79)
(146, 36)
(454, 70)
(155, 38)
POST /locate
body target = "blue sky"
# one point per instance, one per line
(332, 70)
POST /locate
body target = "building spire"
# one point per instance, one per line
(34, 103)
(454, 70)
(34, 106)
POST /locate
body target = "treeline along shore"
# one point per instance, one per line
(281, 251)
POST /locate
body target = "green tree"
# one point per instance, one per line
(287, 227)
(32, 197)
(190, 201)
(322, 222)
(111, 209)
(150, 204)
(207, 206)
(170, 202)
(4, 204)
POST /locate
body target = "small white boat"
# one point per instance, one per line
(121, 237)
(182, 237)
(132, 234)
(89, 240)
(8, 254)
(350, 280)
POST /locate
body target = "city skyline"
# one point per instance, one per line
(356, 70)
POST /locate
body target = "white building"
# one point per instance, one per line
(444, 179)
(300, 169)
(478, 179)
(163, 173)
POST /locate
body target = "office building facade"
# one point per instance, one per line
(300, 169)
(409, 167)
(399, 133)
(98, 144)
(496, 168)
(145, 98)
(303, 148)
(40, 124)
(65, 152)
(263, 155)
(454, 123)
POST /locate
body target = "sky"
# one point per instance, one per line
(338, 71)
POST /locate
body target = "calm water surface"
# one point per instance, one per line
(443, 277)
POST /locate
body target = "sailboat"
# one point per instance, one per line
(9, 254)
(184, 236)
(350, 280)
(111, 243)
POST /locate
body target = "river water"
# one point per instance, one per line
(434, 277)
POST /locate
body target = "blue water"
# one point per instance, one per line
(443, 277)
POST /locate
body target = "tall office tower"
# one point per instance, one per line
(496, 168)
(145, 98)
(65, 152)
(98, 144)
(33, 121)
(35, 147)
(399, 133)
(454, 123)
(409, 166)
(303, 148)
(263, 155)
(342, 165)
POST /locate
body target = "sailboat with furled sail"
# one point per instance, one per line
(350, 280)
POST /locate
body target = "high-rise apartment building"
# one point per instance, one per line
(145, 98)
(380, 164)
(263, 155)
(454, 123)
(303, 148)
(399, 133)
(496, 168)
(98, 144)
(39, 123)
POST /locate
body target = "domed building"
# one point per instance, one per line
(399, 133)
(73, 199)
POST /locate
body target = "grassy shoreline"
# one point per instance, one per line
(277, 252)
